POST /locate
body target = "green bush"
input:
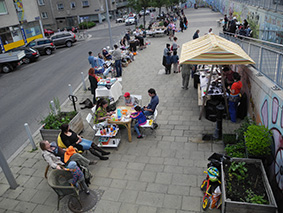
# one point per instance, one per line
(236, 150)
(243, 128)
(87, 25)
(258, 140)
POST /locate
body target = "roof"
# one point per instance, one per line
(213, 49)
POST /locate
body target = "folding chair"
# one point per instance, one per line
(89, 119)
(150, 123)
(93, 109)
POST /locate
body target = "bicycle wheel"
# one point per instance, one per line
(205, 203)
(203, 185)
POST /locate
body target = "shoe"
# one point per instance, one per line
(103, 158)
(87, 192)
(139, 137)
(186, 88)
(183, 87)
(92, 162)
(155, 125)
(105, 153)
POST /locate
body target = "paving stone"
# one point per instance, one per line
(45, 209)
(164, 144)
(27, 171)
(9, 204)
(41, 196)
(192, 170)
(101, 181)
(154, 167)
(178, 133)
(148, 176)
(132, 174)
(197, 155)
(25, 207)
(136, 166)
(29, 163)
(15, 169)
(168, 153)
(184, 180)
(165, 210)
(171, 161)
(157, 187)
(172, 201)
(191, 203)
(128, 196)
(105, 206)
(118, 164)
(168, 138)
(112, 194)
(12, 193)
(27, 194)
(150, 199)
(154, 152)
(156, 160)
(136, 185)
(116, 183)
(128, 208)
(195, 192)
(178, 190)
(102, 171)
(117, 173)
(164, 178)
(33, 182)
(4, 188)
(147, 209)
(128, 158)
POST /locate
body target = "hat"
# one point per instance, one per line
(72, 165)
(69, 152)
(234, 17)
(104, 48)
(127, 94)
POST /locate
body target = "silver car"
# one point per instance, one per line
(63, 38)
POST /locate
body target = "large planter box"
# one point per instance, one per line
(230, 206)
(76, 124)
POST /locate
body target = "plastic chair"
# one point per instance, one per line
(93, 109)
(89, 119)
(58, 181)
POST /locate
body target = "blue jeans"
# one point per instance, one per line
(147, 113)
(107, 70)
(137, 129)
(118, 66)
(233, 110)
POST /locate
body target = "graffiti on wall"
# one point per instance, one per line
(272, 29)
(272, 117)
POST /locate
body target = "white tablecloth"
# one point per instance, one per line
(114, 92)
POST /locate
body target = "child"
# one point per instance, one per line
(78, 176)
(141, 119)
(175, 61)
(168, 61)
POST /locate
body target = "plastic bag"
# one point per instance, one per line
(215, 197)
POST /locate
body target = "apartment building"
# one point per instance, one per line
(61, 14)
(19, 23)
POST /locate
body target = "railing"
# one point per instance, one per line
(267, 56)
(276, 5)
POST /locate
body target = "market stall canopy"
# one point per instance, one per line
(214, 50)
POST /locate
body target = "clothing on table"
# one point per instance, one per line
(100, 113)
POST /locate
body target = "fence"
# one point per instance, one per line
(267, 56)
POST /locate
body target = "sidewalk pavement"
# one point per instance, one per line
(156, 174)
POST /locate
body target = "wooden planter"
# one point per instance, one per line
(229, 206)
(76, 124)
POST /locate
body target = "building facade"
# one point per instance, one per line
(19, 23)
(60, 14)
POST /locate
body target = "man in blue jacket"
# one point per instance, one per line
(150, 108)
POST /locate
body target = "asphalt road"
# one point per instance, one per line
(25, 93)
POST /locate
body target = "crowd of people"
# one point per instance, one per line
(231, 25)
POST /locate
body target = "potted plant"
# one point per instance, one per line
(245, 187)
(258, 141)
(53, 121)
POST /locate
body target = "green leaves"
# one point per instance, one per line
(238, 170)
(53, 121)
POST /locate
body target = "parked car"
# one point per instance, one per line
(142, 12)
(130, 21)
(31, 54)
(48, 32)
(43, 45)
(122, 19)
(63, 38)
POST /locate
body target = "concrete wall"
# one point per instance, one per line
(265, 107)
(11, 18)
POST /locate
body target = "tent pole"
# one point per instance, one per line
(205, 96)
(224, 92)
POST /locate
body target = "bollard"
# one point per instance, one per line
(219, 117)
(7, 172)
(30, 137)
(83, 80)
(70, 89)
(54, 110)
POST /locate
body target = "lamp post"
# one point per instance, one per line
(109, 26)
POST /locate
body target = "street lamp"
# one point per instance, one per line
(109, 26)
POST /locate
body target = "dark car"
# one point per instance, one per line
(64, 38)
(31, 54)
(43, 45)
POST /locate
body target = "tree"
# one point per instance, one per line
(138, 5)
(158, 4)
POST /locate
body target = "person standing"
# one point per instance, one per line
(92, 60)
(196, 34)
(168, 63)
(93, 80)
(234, 96)
(185, 69)
(175, 46)
(181, 24)
(166, 50)
(175, 61)
(185, 22)
(117, 57)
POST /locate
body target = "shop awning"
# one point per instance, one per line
(214, 50)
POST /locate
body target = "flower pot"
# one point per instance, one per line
(231, 206)
(76, 124)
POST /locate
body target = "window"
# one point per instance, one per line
(73, 5)
(40, 2)
(44, 15)
(85, 3)
(3, 8)
(60, 6)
